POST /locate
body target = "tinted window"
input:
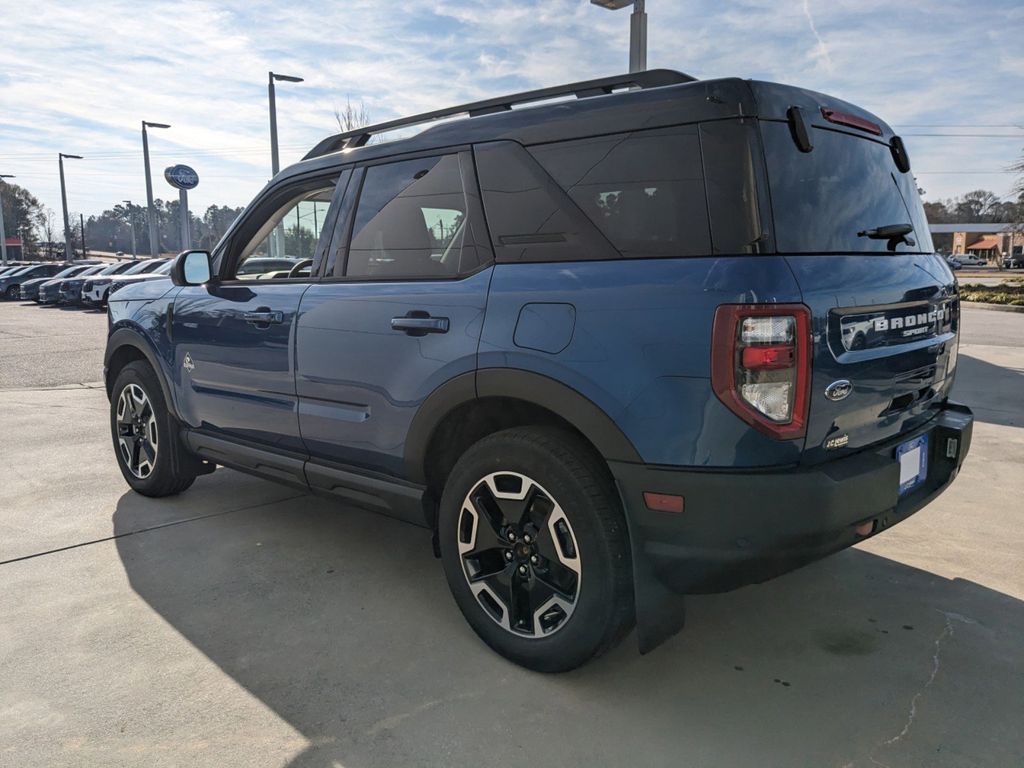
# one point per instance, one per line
(644, 190)
(410, 220)
(847, 184)
(730, 153)
(143, 266)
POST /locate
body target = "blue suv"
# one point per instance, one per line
(666, 337)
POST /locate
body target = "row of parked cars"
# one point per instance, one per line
(85, 283)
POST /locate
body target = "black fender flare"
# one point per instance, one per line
(586, 417)
(129, 337)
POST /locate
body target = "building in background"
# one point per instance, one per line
(980, 239)
(14, 249)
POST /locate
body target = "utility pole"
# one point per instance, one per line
(154, 235)
(131, 225)
(3, 231)
(81, 222)
(68, 255)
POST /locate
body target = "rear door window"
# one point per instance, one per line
(846, 184)
(644, 190)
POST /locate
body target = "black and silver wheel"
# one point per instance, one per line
(149, 451)
(535, 548)
(137, 436)
(519, 554)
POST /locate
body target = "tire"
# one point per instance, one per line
(171, 468)
(571, 534)
(13, 292)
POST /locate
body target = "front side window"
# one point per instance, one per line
(288, 239)
(410, 220)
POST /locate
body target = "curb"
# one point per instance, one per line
(996, 307)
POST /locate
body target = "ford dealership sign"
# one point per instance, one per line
(181, 176)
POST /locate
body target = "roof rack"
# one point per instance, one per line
(652, 78)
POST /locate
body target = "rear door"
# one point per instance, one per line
(885, 310)
(397, 314)
(233, 338)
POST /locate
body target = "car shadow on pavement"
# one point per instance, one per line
(340, 621)
(993, 392)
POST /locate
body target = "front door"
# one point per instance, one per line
(233, 338)
(396, 315)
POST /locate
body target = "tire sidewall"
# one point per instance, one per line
(163, 473)
(585, 631)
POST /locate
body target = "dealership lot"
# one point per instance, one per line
(244, 623)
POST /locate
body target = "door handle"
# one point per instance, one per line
(419, 324)
(263, 317)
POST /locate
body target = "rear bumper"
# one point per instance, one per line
(745, 527)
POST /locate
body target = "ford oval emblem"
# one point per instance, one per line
(838, 390)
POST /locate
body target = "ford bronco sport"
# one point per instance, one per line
(652, 336)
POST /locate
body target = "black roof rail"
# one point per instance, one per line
(652, 78)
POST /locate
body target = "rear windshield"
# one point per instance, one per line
(821, 199)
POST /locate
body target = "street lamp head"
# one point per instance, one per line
(612, 5)
(146, 124)
(286, 78)
(7, 176)
(70, 157)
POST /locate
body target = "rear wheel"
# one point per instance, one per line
(149, 451)
(535, 548)
(13, 292)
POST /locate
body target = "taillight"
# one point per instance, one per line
(761, 365)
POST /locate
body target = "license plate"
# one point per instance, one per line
(912, 456)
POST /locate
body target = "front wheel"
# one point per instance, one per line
(149, 451)
(535, 548)
(13, 292)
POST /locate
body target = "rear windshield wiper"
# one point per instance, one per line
(894, 233)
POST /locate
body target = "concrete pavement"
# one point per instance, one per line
(242, 623)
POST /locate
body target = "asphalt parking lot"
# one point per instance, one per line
(243, 623)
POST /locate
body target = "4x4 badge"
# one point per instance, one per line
(838, 390)
(188, 365)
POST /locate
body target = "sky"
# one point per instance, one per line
(78, 77)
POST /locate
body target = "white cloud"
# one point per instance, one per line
(78, 77)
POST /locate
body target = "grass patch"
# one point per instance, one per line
(1004, 293)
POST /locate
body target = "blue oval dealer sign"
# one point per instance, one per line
(181, 176)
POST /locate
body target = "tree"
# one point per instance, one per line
(976, 206)
(353, 116)
(24, 216)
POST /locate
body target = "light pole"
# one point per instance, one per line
(637, 30)
(154, 243)
(277, 241)
(64, 202)
(131, 225)
(3, 231)
(275, 163)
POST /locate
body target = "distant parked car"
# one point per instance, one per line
(1014, 261)
(96, 289)
(257, 266)
(120, 281)
(30, 288)
(49, 291)
(971, 260)
(10, 285)
(954, 262)
(71, 289)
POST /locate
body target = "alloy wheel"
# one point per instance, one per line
(136, 431)
(519, 554)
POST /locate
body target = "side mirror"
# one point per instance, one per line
(191, 268)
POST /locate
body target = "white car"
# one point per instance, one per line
(95, 291)
(970, 260)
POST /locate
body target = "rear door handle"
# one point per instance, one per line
(263, 317)
(419, 324)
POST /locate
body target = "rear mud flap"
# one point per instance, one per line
(660, 611)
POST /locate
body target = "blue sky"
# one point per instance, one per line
(78, 77)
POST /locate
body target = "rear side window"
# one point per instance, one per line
(846, 184)
(411, 220)
(644, 190)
